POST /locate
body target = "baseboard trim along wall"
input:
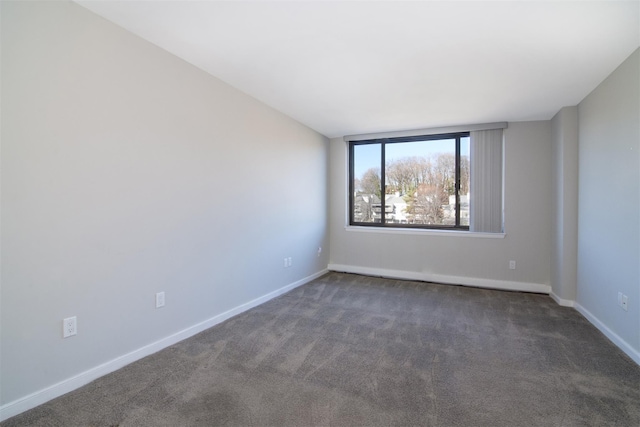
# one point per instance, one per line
(440, 278)
(613, 337)
(561, 301)
(42, 396)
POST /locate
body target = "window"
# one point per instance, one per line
(416, 181)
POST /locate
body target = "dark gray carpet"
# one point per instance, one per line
(348, 350)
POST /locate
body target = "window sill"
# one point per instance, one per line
(425, 232)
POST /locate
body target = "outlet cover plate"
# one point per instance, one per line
(69, 327)
(160, 299)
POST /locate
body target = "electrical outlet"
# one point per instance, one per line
(512, 265)
(319, 250)
(623, 301)
(69, 327)
(160, 299)
(290, 261)
(620, 299)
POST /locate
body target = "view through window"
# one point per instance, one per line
(410, 182)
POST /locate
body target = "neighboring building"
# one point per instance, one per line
(367, 208)
(450, 211)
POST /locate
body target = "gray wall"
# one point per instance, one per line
(461, 258)
(564, 250)
(127, 171)
(609, 203)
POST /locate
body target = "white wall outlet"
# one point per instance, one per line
(512, 265)
(319, 250)
(619, 299)
(160, 299)
(625, 302)
(290, 261)
(69, 327)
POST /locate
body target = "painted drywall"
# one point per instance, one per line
(564, 248)
(466, 259)
(125, 172)
(609, 204)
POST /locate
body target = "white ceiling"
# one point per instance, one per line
(351, 67)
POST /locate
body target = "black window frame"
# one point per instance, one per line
(383, 141)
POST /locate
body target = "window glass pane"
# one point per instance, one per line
(464, 180)
(367, 191)
(420, 187)
(420, 178)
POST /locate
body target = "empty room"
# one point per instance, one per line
(327, 213)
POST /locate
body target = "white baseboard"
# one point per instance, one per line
(440, 278)
(613, 337)
(561, 301)
(38, 398)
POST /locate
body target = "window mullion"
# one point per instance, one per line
(383, 184)
(457, 182)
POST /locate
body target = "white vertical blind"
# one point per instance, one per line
(486, 181)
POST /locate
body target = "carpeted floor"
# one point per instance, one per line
(349, 350)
